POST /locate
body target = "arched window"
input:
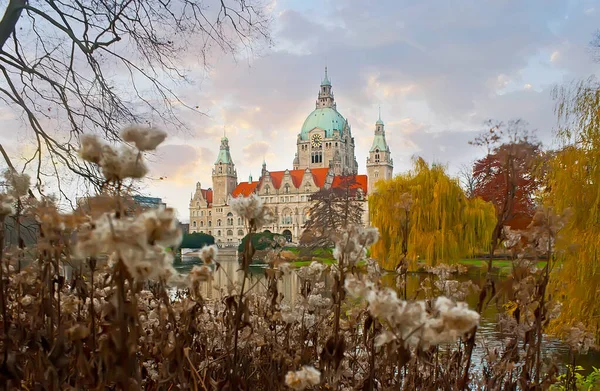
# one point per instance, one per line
(209, 223)
(229, 214)
(376, 174)
(220, 169)
(240, 232)
(316, 157)
(286, 188)
(239, 221)
(218, 222)
(202, 213)
(377, 156)
(193, 223)
(209, 232)
(229, 232)
(209, 213)
(201, 223)
(267, 189)
(219, 233)
(286, 217)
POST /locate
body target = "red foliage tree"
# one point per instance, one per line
(506, 176)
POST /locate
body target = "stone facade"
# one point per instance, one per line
(325, 154)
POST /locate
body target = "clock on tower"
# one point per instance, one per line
(316, 140)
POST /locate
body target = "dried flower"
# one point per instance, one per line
(6, 205)
(252, 209)
(208, 254)
(161, 227)
(91, 148)
(384, 338)
(145, 139)
(308, 376)
(580, 339)
(131, 164)
(19, 183)
(200, 273)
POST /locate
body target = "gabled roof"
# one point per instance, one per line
(208, 195)
(354, 182)
(319, 176)
(244, 189)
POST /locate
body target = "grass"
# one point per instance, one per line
(504, 266)
(324, 256)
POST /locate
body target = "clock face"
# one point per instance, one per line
(316, 140)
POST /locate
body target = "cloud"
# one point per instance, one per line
(437, 68)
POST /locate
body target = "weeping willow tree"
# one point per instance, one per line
(443, 224)
(574, 183)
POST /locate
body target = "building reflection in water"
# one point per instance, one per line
(230, 274)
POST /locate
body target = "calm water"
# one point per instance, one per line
(553, 348)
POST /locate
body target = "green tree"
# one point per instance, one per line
(263, 241)
(443, 224)
(196, 240)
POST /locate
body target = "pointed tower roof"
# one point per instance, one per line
(325, 81)
(379, 142)
(379, 121)
(224, 155)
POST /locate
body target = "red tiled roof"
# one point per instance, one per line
(356, 182)
(244, 189)
(319, 175)
(276, 178)
(207, 194)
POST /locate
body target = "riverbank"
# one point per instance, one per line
(501, 267)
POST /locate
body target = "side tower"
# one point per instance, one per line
(224, 175)
(379, 163)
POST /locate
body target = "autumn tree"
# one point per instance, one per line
(96, 65)
(507, 176)
(573, 182)
(443, 224)
(333, 209)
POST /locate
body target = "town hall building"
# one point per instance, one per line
(325, 155)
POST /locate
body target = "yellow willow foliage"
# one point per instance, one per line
(444, 226)
(574, 182)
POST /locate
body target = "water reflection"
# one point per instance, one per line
(488, 333)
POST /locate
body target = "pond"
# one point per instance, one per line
(488, 333)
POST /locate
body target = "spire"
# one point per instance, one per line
(250, 178)
(326, 81)
(379, 121)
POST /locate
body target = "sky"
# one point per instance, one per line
(438, 70)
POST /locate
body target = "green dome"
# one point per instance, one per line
(327, 119)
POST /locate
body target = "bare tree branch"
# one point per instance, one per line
(97, 65)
